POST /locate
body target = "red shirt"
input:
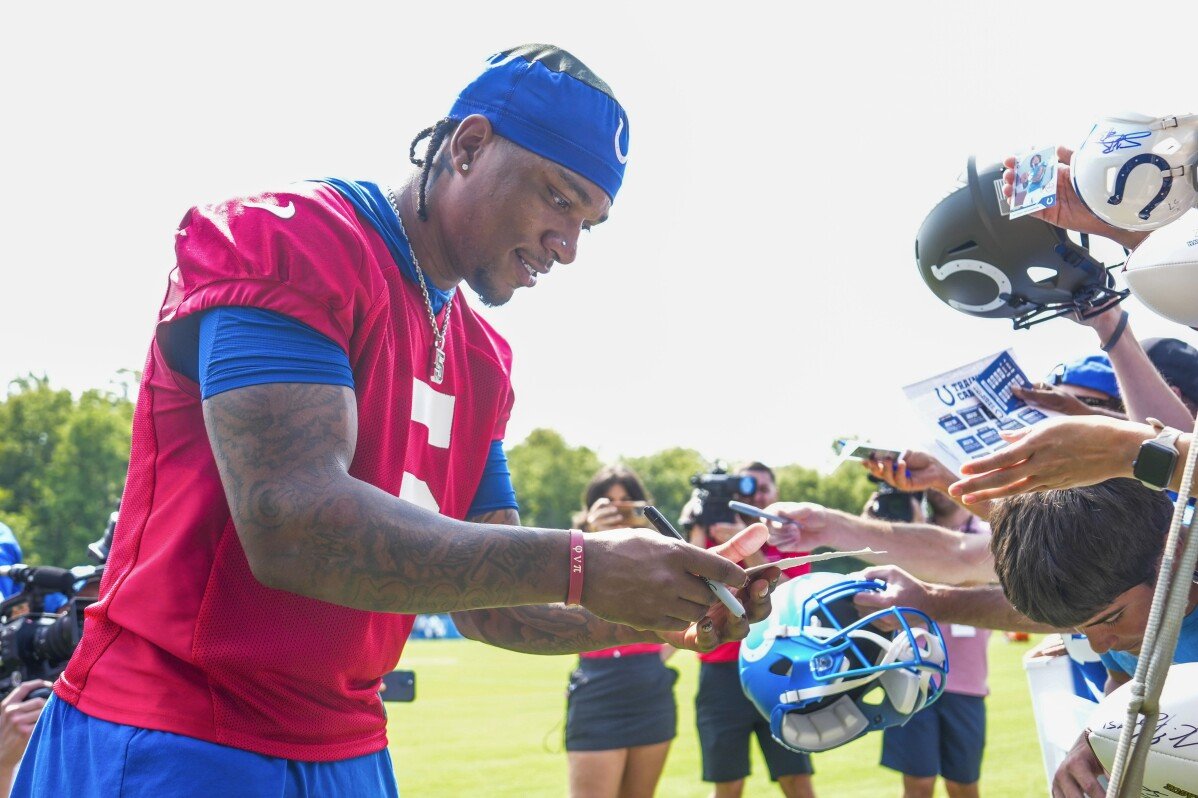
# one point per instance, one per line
(729, 652)
(185, 639)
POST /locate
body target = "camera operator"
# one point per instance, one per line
(34, 644)
(725, 718)
(10, 553)
(18, 715)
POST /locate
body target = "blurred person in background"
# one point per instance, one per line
(621, 715)
(725, 717)
(1087, 386)
(947, 738)
(1177, 362)
(18, 712)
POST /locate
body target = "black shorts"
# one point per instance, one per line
(726, 719)
(945, 739)
(620, 702)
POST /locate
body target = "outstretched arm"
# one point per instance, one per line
(1063, 452)
(307, 526)
(561, 629)
(983, 606)
(1145, 392)
(928, 551)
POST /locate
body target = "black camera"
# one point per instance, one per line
(891, 503)
(36, 643)
(712, 493)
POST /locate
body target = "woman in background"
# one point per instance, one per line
(620, 710)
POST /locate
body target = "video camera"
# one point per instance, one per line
(36, 643)
(712, 493)
(891, 503)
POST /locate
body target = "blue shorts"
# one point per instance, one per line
(945, 739)
(76, 755)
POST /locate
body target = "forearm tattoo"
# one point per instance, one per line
(543, 628)
(307, 526)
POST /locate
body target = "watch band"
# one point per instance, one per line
(1164, 434)
(1157, 458)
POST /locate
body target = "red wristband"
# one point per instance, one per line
(577, 560)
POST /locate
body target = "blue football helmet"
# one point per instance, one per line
(824, 677)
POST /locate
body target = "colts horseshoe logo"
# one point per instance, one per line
(1132, 163)
(622, 157)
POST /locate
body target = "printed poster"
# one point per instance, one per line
(967, 407)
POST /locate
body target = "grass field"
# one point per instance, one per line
(488, 722)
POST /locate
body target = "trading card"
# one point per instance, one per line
(988, 435)
(969, 444)
(1031, 415)
(973, 416)
(1035, 187)
(951, 424)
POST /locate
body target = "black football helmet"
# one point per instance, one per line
(986, 264)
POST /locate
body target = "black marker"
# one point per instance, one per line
(721, 590)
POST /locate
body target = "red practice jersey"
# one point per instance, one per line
(185, 639)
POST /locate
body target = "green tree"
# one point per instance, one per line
(550, 478)
(31, 420)
(667, 474)
(84, 477)
(62, 465)
(847, 488)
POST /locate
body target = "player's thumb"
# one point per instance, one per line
(743, 543)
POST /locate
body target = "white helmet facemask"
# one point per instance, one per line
(1137, 172)
(906, 689)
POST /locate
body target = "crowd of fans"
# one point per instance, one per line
(319, 437)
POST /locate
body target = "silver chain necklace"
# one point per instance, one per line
(438, 367)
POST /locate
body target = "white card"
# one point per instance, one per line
(1035, 187)
(792, 562)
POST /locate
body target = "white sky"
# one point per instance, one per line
(755, 292)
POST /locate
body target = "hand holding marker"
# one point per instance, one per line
(721, 591)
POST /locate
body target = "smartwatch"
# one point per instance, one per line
(1157, 460)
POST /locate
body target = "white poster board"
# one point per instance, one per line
(967, 407)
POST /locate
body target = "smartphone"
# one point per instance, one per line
(750, 510)
(633, 512)
(856, 450)
(399, 686)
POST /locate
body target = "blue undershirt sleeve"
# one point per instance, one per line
(239, 347)
(495, 490)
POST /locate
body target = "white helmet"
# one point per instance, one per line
(1163, 271)
(1136, 172)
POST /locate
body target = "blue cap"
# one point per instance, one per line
(547, 101)
(1093, 372)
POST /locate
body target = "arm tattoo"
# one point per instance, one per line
(307, 526)
(545, 628)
